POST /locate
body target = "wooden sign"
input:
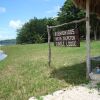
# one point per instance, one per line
(68, 38)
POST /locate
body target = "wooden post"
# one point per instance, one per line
(88, 37)
(49, 52)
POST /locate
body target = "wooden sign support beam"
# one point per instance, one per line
(72, 22)
(88, 37)
(49, 36)
(49, 50)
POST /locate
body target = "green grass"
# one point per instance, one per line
(25, 72)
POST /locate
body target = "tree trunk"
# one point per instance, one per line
(95, 35)
(95, 31)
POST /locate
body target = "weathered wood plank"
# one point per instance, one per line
(75, 21)
(88, 38)
(49, 50)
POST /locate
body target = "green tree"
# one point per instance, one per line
(68, 13)
(34, 31)
(95, 26)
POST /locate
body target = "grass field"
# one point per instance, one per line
(25, 72)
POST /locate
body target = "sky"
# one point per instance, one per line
(14, 13)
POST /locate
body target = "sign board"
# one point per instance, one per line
(68, 38)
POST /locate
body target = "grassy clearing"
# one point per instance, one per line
(25, 72)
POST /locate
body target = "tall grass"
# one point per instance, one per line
(25, 72)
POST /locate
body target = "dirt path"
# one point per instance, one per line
(82, 92)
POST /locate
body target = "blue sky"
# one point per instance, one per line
(14, 13)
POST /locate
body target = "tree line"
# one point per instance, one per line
(8, 42)
(35, 30)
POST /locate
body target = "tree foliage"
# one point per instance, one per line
(69, 12)
(34, 31)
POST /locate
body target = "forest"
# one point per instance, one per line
(35, 30)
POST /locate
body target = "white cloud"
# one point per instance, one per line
(2, 10)
(7, 36)
(15, 24)
(1, 37)
(54, 10)
(6, 33)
